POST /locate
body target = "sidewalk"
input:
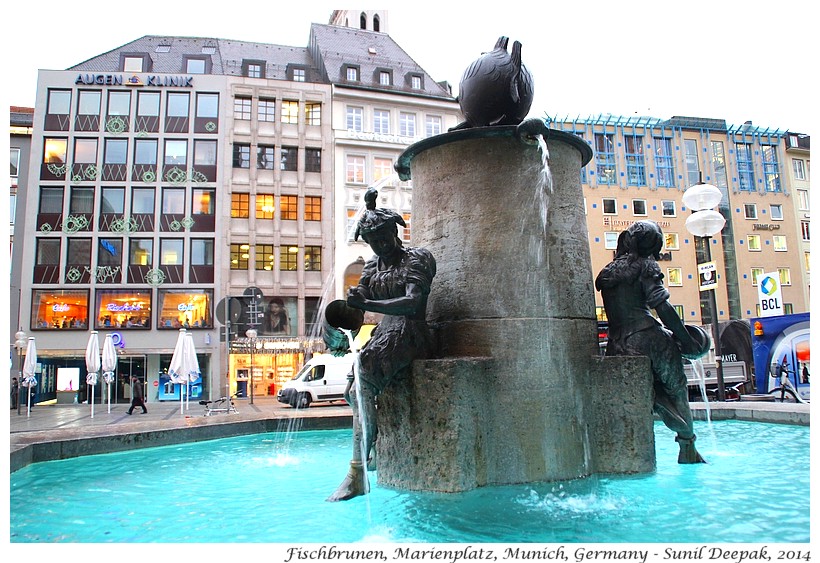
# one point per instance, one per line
(60, 431)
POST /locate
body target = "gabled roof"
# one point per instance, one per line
(338, 47)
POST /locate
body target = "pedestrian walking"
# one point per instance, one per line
(15, 393)
(137, 395)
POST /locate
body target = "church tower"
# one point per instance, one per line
(371, 20)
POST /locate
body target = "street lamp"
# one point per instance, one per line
(705, 223)
(251, 334)
(20, 343)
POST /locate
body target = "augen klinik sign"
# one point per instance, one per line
(135, 80)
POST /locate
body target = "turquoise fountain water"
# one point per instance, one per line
(272, 488)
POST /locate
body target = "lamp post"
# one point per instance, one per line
(251, 334)
(705, 222)
(20, 343)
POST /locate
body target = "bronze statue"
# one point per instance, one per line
(395, 282)
(496, 89)
(631, 285)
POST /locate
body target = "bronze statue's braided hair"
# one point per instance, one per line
(373, 218)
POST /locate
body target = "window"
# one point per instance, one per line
(745, 167)
(264, 257)
(240, 205)
(799, 169)
(692, 162)
(611, 240)
(313, 160)
(266, 110)
(415, 82)
(805, 230)
(313, 208)
(610, 206)
(109, 253)
(178, 104)
(265, 158)
(176, 152)
(382, 168)
(432, 125)
(719, 164)
(170, 252)
(313, 258)
(670, 241)
(59, 102)
(85, 152)
(668, 207)
(51, 309)
(202, 252)
(407, 124)
(142, 201)
(289, 157)
(89, 102)
(635, 166)
(750, 210)
(265, 206)
(55, 151)
(241, 155)
(15, 163)
(803, 200)
(178, 308)
(353, 118)
(381, 121)
(807, 261)
(779, 243)
(207, 105)
(605, 158)
(116, 151)
(384, 78)
(405, 231)
(753, 242)
(203, 201)
(352, 73)
(288, 207)
(756, 274)
(239, 256)
(132, 64)
(299, 75)
(785, 276)
(141, 252)
(148, 104)
(195, 66)
(664, 163)
(81, 202)
(674, 276)
(145, 151)
(253, 69)
(639, 207)
(776, 212)
(113, 200)
(173, 201)
(313, 113)
(288, 258)
(51, 200)
(355, 170)
(771, 168)
(205, 153)
(48, 252)
(119, 103)
(242, 108)
(290, 111)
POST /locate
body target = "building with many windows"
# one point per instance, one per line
(640, 170)
(183, 182)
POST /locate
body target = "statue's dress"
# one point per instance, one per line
(397, 340)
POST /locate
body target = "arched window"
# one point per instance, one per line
(363, 21)
(376, 23)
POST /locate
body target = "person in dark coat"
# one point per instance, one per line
(137, 395)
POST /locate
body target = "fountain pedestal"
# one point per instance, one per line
(517, 393)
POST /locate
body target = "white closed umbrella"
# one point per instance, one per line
(176, 369)
(29, 380)
(92, 364)
(109, 365)
(191, 362)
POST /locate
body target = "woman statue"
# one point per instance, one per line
(631, 285)
(395, 282)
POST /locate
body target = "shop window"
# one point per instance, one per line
(59, 309)
(122, 309)
(184, 308)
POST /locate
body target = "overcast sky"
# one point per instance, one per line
(729, 59)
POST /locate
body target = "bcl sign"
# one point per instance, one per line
(768, 292)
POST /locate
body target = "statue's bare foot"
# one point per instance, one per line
(688, 453)
(354, 485)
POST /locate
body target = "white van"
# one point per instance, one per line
(322, 378)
